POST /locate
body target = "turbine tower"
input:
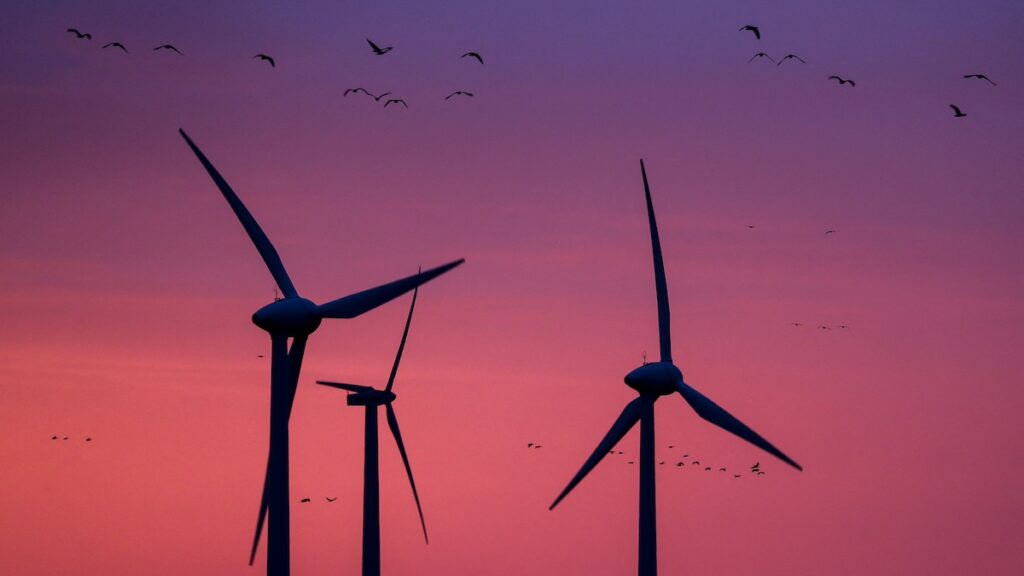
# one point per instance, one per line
(371, 399)
(296, 318)
(653, 381)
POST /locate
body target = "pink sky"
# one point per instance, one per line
(129, 284)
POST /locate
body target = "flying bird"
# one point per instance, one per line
(377, 49)
(88, 36)
(760, 55)
(707, 468)
(54, 438)
(168, 47)
(752, 28)
(795, 324)
(304, 500)
(116, 45)
(956, 110)
(396, 101)
(458, 92)
(842, 81)
(678, 464)
(751, 226)
(823, 327)
(721, 469)
(978, 76)
(735, 475)
(88, 439)
(529, 445)
(354, 90)
(329, 499)
(844, 326)
(662, 463)
(267, 58)
(473, 55)
(756, 465)
(830, 231)
(788, 56)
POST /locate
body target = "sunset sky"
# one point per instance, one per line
(128, 284)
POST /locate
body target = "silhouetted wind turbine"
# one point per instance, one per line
(651, 381)
(296, 318)
(372, 398)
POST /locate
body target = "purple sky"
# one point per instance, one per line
(128, 284)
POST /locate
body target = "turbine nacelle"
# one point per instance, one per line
(370, 397)
(657, 378)
(290, 316)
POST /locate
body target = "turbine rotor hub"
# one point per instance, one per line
(657, 378)
(290, 316)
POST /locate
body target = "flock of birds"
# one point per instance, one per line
(374, 48)
(755, 469)
(308, 500)
(55, 437)
(396, 101)
(957, 113)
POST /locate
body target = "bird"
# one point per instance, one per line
(377, 49)
(630, 462)
(116, 45)
(756, 465)
(751, 226)
(259, 356)
(529, 444)
(735, 475)
(956, 110)
(670, 446)
(535, 446)
(707, 468)
(168, 47)
(377, 98)
(396, 101)
(88, 439)
(695, 462)
(823, 327)
(844, 326)
(457, 92)
(267, 58)
(796, 324)
(662, 463)
(760, 55)
(329, 499)
(354, 90)
(978, 76)
(830, 231)
(88, 36)
(473, 55)
(842, 81)
(304, 500)
(65, 437)
(54, 438)
(752, 28)
(721, 469)
(686, 455)
(678, 464)
(788, 56)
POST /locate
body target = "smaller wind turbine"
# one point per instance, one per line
(371, 398)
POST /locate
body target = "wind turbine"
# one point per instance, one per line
(296, 318)
(371, 398)
(653, 380)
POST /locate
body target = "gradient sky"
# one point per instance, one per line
(128, 284)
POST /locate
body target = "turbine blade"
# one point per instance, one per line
(263, 245)
(343, 386)
(629, 417)
(360, 302)
(401, 346)
(664, 328)
(264, 505)
(393, 424)
(294, 360)
(717, 415)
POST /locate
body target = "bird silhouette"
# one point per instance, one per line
(752, 28)
(843, 81)
(662, 463)
(686, 455)
(957, 112)
(707, 468)
(267, 58)
(54, 438)
(788, 56)
(978, 76)
(735, 475)
(377, 49)
(65, 437)
(304, 500)
(259, 356)
(473, 55)
(168, 47)
(756, 465)
(88, 439)
(329, 499)
(844, 326)
(88, 36)
(830, 231)
(760, 55)
(116, 45)
(396, 101)
(535, 446)
(695, 462)
(355, 91)
(721, 469)
(796, 324)
(678, 464)
(630, 462)
(529, 444)
(458, 92)
(823, 327)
